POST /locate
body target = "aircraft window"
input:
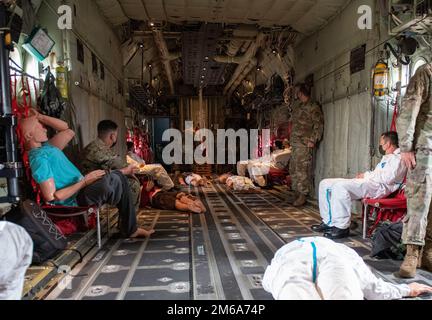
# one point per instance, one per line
(94, 63)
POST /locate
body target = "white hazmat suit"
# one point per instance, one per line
(258, 168)
(321, 269)
(336, 195)
(16, 249)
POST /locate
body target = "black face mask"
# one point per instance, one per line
(114, 144)
(381, 150)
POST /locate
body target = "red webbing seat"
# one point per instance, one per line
(392, 208)
(62, 216)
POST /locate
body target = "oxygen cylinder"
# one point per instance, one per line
(61, 80)
(380, 79)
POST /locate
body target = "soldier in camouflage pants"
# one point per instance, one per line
(415, 132)
(99, 155)
(307, 130)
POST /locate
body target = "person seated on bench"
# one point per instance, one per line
(16, 247)
(164, 200)
(191, 179)
(259, 168)
(100, 155)
(317, 268)
(237, 183)
(336, 195)
(61, 183)
(155, 171)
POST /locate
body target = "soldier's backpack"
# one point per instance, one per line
(48, 240)
(387, 242)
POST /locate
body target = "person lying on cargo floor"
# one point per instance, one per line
(336, 195)
(157, 198)
(156, 171)
(62, 183)
(259, 168)
(132, 157)
(317, 268)
(100, 155)
(191, 179)
(237, 183)
(16, 247)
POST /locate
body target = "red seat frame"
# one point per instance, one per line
(279, 175)
(392, 208)
(21, 111)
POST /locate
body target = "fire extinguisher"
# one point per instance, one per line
(61, 80)
(380, 79)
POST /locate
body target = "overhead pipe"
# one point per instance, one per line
(233, 48)
(241, 39)
(248, 62)
(166, 57)
(174, 56)
(248, 68)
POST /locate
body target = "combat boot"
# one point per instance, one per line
(291, 196)
(411, 262)
(301, 200)
(427, 256)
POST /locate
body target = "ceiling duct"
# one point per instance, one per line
(166, 57)
(237, 45)
(248, 61)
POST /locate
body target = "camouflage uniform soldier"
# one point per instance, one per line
(99, 155)
(415, 131)
(307, 130)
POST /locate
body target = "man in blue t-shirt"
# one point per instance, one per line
(63, 184)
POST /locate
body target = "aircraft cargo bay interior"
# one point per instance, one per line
(215, 150)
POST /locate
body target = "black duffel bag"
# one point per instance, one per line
(48, 241)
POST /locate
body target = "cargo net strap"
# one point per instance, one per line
(46, 221)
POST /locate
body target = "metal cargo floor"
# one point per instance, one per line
(220, 255)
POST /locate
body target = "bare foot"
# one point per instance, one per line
(201, 205)
(142, 233)
(194, 208)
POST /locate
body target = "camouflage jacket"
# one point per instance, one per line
(414, 123)
(97, 156)
(307, 124)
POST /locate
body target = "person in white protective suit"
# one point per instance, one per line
(320, 269)
(259, 168)
(237, 183)
(336, 195)
(16, 249)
